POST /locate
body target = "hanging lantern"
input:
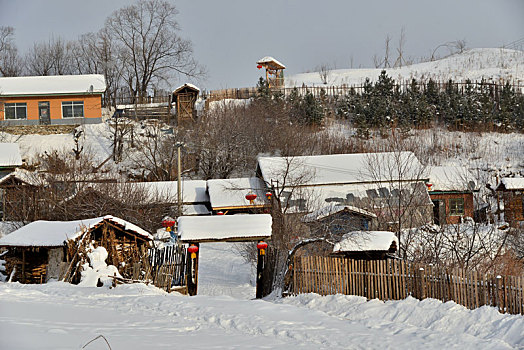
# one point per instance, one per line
(429, 185)
(193, 249)
(251, 197)
(220, 213)
(269, 195)
(259, 66)
(262, 246)
(168, 223)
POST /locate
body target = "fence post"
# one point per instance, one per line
(422, 282)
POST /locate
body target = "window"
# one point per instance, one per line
(15, 110)
(456, 206)
(73, 109)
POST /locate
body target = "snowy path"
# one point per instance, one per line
(62, 316)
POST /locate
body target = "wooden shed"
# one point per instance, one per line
(185, 97)
(512, 190)
(44, 250)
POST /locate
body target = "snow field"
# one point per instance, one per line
(63, 316)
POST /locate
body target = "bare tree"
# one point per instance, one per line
(324, 71)
(11, 64)
(149, 44)
(400, 48)
(52, 57)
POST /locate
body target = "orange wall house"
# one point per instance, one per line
(73, 99)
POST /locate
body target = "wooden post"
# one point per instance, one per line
(23, 265)
(192, 271)
(261, 264)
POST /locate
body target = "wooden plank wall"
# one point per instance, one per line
(396, 279)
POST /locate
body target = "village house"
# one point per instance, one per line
(451, 190)
(389, 185)
(512, 190)
(40, 251)
(61, 99)
(336, 220)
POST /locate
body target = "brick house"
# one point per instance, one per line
(60, 99)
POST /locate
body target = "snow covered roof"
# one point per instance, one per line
(193, 191)
(340, 168)
(54, 233)
(358, 241)
(188, 85)
(231, 193)
(334, 208)
(224, 227)
(513, 183)
(10, 155)
(53, 85)
(271, 61)
(23, 175)
(450, 178)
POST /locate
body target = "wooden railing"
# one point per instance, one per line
(396, 279)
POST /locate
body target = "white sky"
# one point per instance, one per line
(230, 35)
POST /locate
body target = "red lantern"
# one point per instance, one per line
(220, 213)
(261, 246)
(269, 195)
(259, 66)
(429, 185)
(168, 223)
(251, 197)
(193, 249)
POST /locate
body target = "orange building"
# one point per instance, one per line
(59, 99)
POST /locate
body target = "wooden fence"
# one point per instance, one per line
(396, 279)
(167, 267)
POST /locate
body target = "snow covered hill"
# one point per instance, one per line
(223, 316)
(492, 64)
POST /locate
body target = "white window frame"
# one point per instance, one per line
(16, 105)
(72, 105)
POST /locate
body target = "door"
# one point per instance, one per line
(436, 212)
(44, 113)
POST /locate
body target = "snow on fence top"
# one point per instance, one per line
(357, 241)
(340, 168)
(53, 85)
(55, 233)
(231, 193)
(10, 155)
(451, 178)
(216, 228)
(513, 183)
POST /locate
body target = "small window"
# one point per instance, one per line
(15, 110)
(73, 109)
(456, 206)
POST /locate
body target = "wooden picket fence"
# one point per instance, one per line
(397, 279)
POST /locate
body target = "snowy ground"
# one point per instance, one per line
(491, 64)
(223, 316)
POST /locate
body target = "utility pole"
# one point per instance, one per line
(179, 145)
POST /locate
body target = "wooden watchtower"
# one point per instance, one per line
(274, 71)
(185, 97)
